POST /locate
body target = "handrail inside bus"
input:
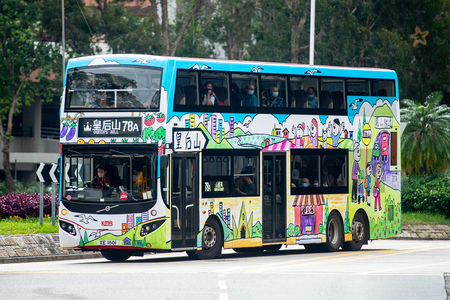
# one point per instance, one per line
(178, 216)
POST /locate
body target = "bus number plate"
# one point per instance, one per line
(107, 243)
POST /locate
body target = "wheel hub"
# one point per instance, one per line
(333, 231)
(358, 231)
(209, 237)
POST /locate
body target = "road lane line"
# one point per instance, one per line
(336, 257)
(389, 271)
(223, 296)
(222, 284)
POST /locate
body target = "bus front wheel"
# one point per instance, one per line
(335, 232)
(116, 254)
(211, 240)
(359, 230)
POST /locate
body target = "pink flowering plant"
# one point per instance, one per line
(25, 205)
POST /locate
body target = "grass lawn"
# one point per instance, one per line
(27, 226)
(31, 225)
(424, 218)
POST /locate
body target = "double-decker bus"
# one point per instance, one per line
(197, 155)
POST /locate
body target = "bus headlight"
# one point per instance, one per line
(148, 228)
(67, 227)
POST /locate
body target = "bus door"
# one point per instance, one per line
(274, 197)
(184, 200)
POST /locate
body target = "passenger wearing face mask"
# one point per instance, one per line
(312, 99)
(274, 100)
(209, 97)
(305, 182)
(250, 99)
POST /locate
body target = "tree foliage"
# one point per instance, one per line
(367, 33)
(426, 138)
(24, 66)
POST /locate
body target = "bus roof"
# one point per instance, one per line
(228, 65)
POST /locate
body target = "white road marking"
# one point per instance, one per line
(222, 285)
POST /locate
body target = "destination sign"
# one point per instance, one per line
(188, 140)
(109, 127)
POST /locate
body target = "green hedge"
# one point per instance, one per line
(427, 193)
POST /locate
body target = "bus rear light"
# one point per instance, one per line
(153, 212)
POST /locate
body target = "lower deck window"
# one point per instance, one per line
(226, 175)
(319, 171)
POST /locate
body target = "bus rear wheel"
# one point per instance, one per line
(116, 254)
(249, 250)
(211, 240)
(359, 230)
(272, 248)
(335, 232)
(313, 248)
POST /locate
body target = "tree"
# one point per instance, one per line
(426, 138)
(78, 33)
(22, 54)
(229, 23)
(271, 33)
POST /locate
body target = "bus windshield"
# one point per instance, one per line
(113, 88)
(109, 177)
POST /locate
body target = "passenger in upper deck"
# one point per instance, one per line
(155, 95)
(130, 100)
(273, 100)
(312, 98)
(250, 99)
(94, 101)
(236, 96)
(209, 98)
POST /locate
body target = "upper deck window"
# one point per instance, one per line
(383, 88)
(238, 92)
(113, 88)
(358, 87)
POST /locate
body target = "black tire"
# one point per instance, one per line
(359, 233)
(249, 250)
(314, 248)
(116, 254)
(272, 248)
(211, 240)
(335, 232)
(192, 254)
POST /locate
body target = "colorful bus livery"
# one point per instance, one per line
(178, 154)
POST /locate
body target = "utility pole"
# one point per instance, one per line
(311, 31)
(63, 43)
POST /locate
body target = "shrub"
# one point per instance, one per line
(25, 205)
(30, 187)
(427, 193)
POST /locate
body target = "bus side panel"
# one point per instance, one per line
(241, 220)
(374, 178)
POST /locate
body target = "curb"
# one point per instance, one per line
(424, 232)
(37, 247)
(11, 260)
(447, 284)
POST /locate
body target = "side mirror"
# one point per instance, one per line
(164, 161)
